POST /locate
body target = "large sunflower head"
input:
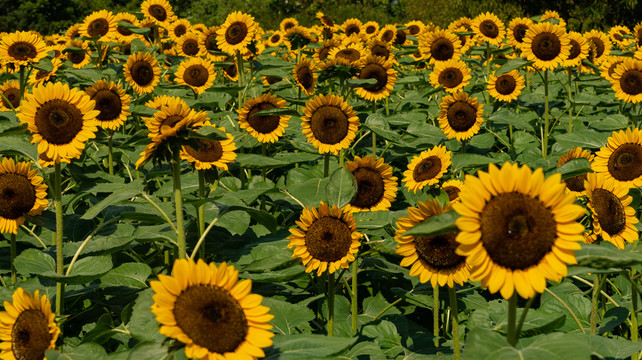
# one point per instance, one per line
(460, 116)
(267, 128)
(99, 24)
(518, 229)
(142, 72)
(10, 99)
(211, 153)
(431, 258)
(427, 168)
(546, 44)
(304, 75)
(61, 119)
(22, 192)
(376, 187)
(28, 327)
(613, 219)
(601, 42)
(489, 28)
(325, 238)
(214, 314)
(440, 45)
(159, 11)
(452, 75)
(575, 184)
(111, 101)
(579, 49)
(329, 123)
(381, 70)
(627, 80)
(22, 48)
(517, 31)
(506, 87)
(236, 33)
(197, 73)
(621, 158)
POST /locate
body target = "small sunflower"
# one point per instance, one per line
(22, 192)
(467, 41)
(579, 49)
(266, 129)
(10, 99)
(602, 44)
(618, 33)
(207, 42)
(627, 81)
(288, 23)
(517, 229)
(111, 101)
(608, 66)
(73, 31)
(453, 188)
(465, 22)
(613, 218)
(231, 71)
(172, 119)
(304, 75)
(22, 47)
(275, 39)
(179, 28)
(517, 31)
(427, 168)
(325, 239)
(401, 38)
(621, 158)
(371, 28)
(197, 73)
(506, 87)
(211, 153)
(122, 34)
(142, 72)
(329, 123)
(164, 100)
(547, 45)
(321, 54)
(431, 258)
(376, 187)
(79, 59)
(60, 119)
(189, 45)
(387, 33)
(575, 184)
(325, 20)
(453, 75)
(489, 28)
(379, 48)
(460, 116)
(28, 327)
(99, 24)
(441, 45)
(352, 26)
(551, 14)
(347, 54)
(236, 33)
(214, 314)
(415, 27)
(380, 69)
(159, 11)
(297, 37)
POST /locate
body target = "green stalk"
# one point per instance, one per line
(178, 201)
(13, 257)
(241, 75)
(634, 313)
(546, 120)
(354, 298)
(110, 149)
(330, 304)
(511, 334)
(57, 195)
(594, 305)
(570, 101)
(453, 314)
(201, 209)
(374, 136)
(512, 142)
(22, 83)
(523, 316)
(435, 314)
(264, 153)
(326, 165)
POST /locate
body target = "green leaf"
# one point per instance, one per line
(356, 83)
(143, 325)
(256, 161)
(310, 192)
(341, 188)
(512, 64)
(379, 125)
(288, 318)
(19, 145)
(581, 138)
(435, 225)
(82, 352)
(32, 261)
(277, 112)
(127, 191)
(44, 65)
(148, 351)
(364, 350)
(606, 256)
(133, 28)
(461, 161)
(573, 167)
(133, 275)
(85, 270)
(522, 121)
(607, 348)
(207, 133)
(612, 318)
(309, 347)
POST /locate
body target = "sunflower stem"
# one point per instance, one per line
(634, 312)
(110, 152)
(201, 210)
(387, 107)
(546, 120)
(354, 298)
(374, 136)
(57, 195)
(240, 74)
(522, 317)
(512, 142)
(571, 103)
(22, 83)
(453, 314)
(264, 153)
(435, 314)
(487, 60)
(568, 308)
(511, 334)
(178, 201)
(13, 258)
(326, 165)
(594, 303)
(330, 304)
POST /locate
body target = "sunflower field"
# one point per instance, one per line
(170, 190)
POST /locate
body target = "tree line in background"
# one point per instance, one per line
(54, 16)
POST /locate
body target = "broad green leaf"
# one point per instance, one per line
(84, 270)
(266, 256)
(32, 261)
(82, 352)
(288, 318)
(512, 64)
(341, 188)
(607, 348)
(256, 161)
(311, 192)
(435, 225)
(44, 65)
(606, 256)
(18, 145)
(612, 318)
(148, 351)
(461, 161)
(378, 124)
(300, 346)
(377, 219)
(143, 325)
(522, 121)
(586, 139)
(361, 83)
(109, 240)
(207, 133)
(364, 350)
(573, 167)
(133, 275)
(133, 28)
(128, 191)
(277, 112)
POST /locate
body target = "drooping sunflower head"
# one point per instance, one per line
(329, 123)
(10, 99)
(159, 11)
(236, 33)
(211, 153)
(172, 119)
(304, 74)
(22, 192)
(111, 101)
(142, 72)
(22, 48)
(376, 187)
(325, 20)
(266, 128)
(73, 31)
(621, 158)
(506, 87)
(453, 188)
(431, 258)
(546, 44)
(627, 80)
(197, 73)
(517, 31)
(440, 45)
(518, 229)
(325, 238)
(460, 116)
(99, 24)
(601, 42)
(489, 28)
(297, 37)
(427, 168)
(381, 70)
(579, 49)
(230, 71)
(452, 75)
(200, 296)
(575, 184)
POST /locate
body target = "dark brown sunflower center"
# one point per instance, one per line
(489, 29)
(324, 51)
(451, 77)
(599, 46)
(349, 54)
(438, 252)
(517, 230)
(263, 124)
(329, 124)
(505, 84)
(231, 70)
(236, 33)
(461, 116)
(519, 32)
(305, 77)
(210, 42)
(158, 12)
(208, 150)
(17, 196)
(327, 33)
(13, 97)
(98, 27)
(124, 31)
(631, 82)
(108, 103)
(352, 29)
(327, 21)
(442, 49)
(211, 317)
(427, 169)
(380, 50)
(575, 50)
(22, 50)
(272, 80)
(609, 210)
(288, 25)
(413, 30)
(30, 335)
(546, 46)
(58, 121)
(613, 66)
(638, 35)
(400, 37)
(275, 38)
(328, 239)
(625, 163)
(180, 30)
(387, 35)
(370, 188)
(576, 183)
(371, 29)
(452, 191)
(76, 57)
(196, 75)
(142, 72)
(190, 47)
(374, 71)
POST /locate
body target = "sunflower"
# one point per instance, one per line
(440, 45)
(376, 187)
(163, 100)
(579, 49)
(352, 26)
(506, 87)
(621, 158)
(211, 153)
(517, 229)
(321, 54)
(467, 41)
(415, 27)
(297, 37)
(179, 28)
(575, 184)
(517, 31)
(371, 28)
(601, 42)
(627, 80)
(453, 188)
(288, 23)
(207, 42)
(264, 128)
(401, 38)
(189, 45)
(325, 239)
(236, 33)
(465, 22)
(28, 327)
(78, 58)
(488, 28)
(22, 47)
(60, 119)
(159, 11)
(111, 101)
(99, 24)
(214, 314)
(460, 116)
(325, 20)
(275, 39)
(73, 31)
(431, 258)
(453, 75)
(381, 70)
(551, 14)
(608, 66)
(172, 119)
(547, 45)
(618, 33)
(231, 71)
(22, 192)
(379, 48)
(613, 218)
(427, 168)
(122, 34)
(304, 75)
(329, 123)
(387, 33)
(142, 72)
(347, 54)
(197, 73)
(10, 99)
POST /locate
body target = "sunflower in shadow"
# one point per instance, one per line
(304, 75)
(575, 184)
